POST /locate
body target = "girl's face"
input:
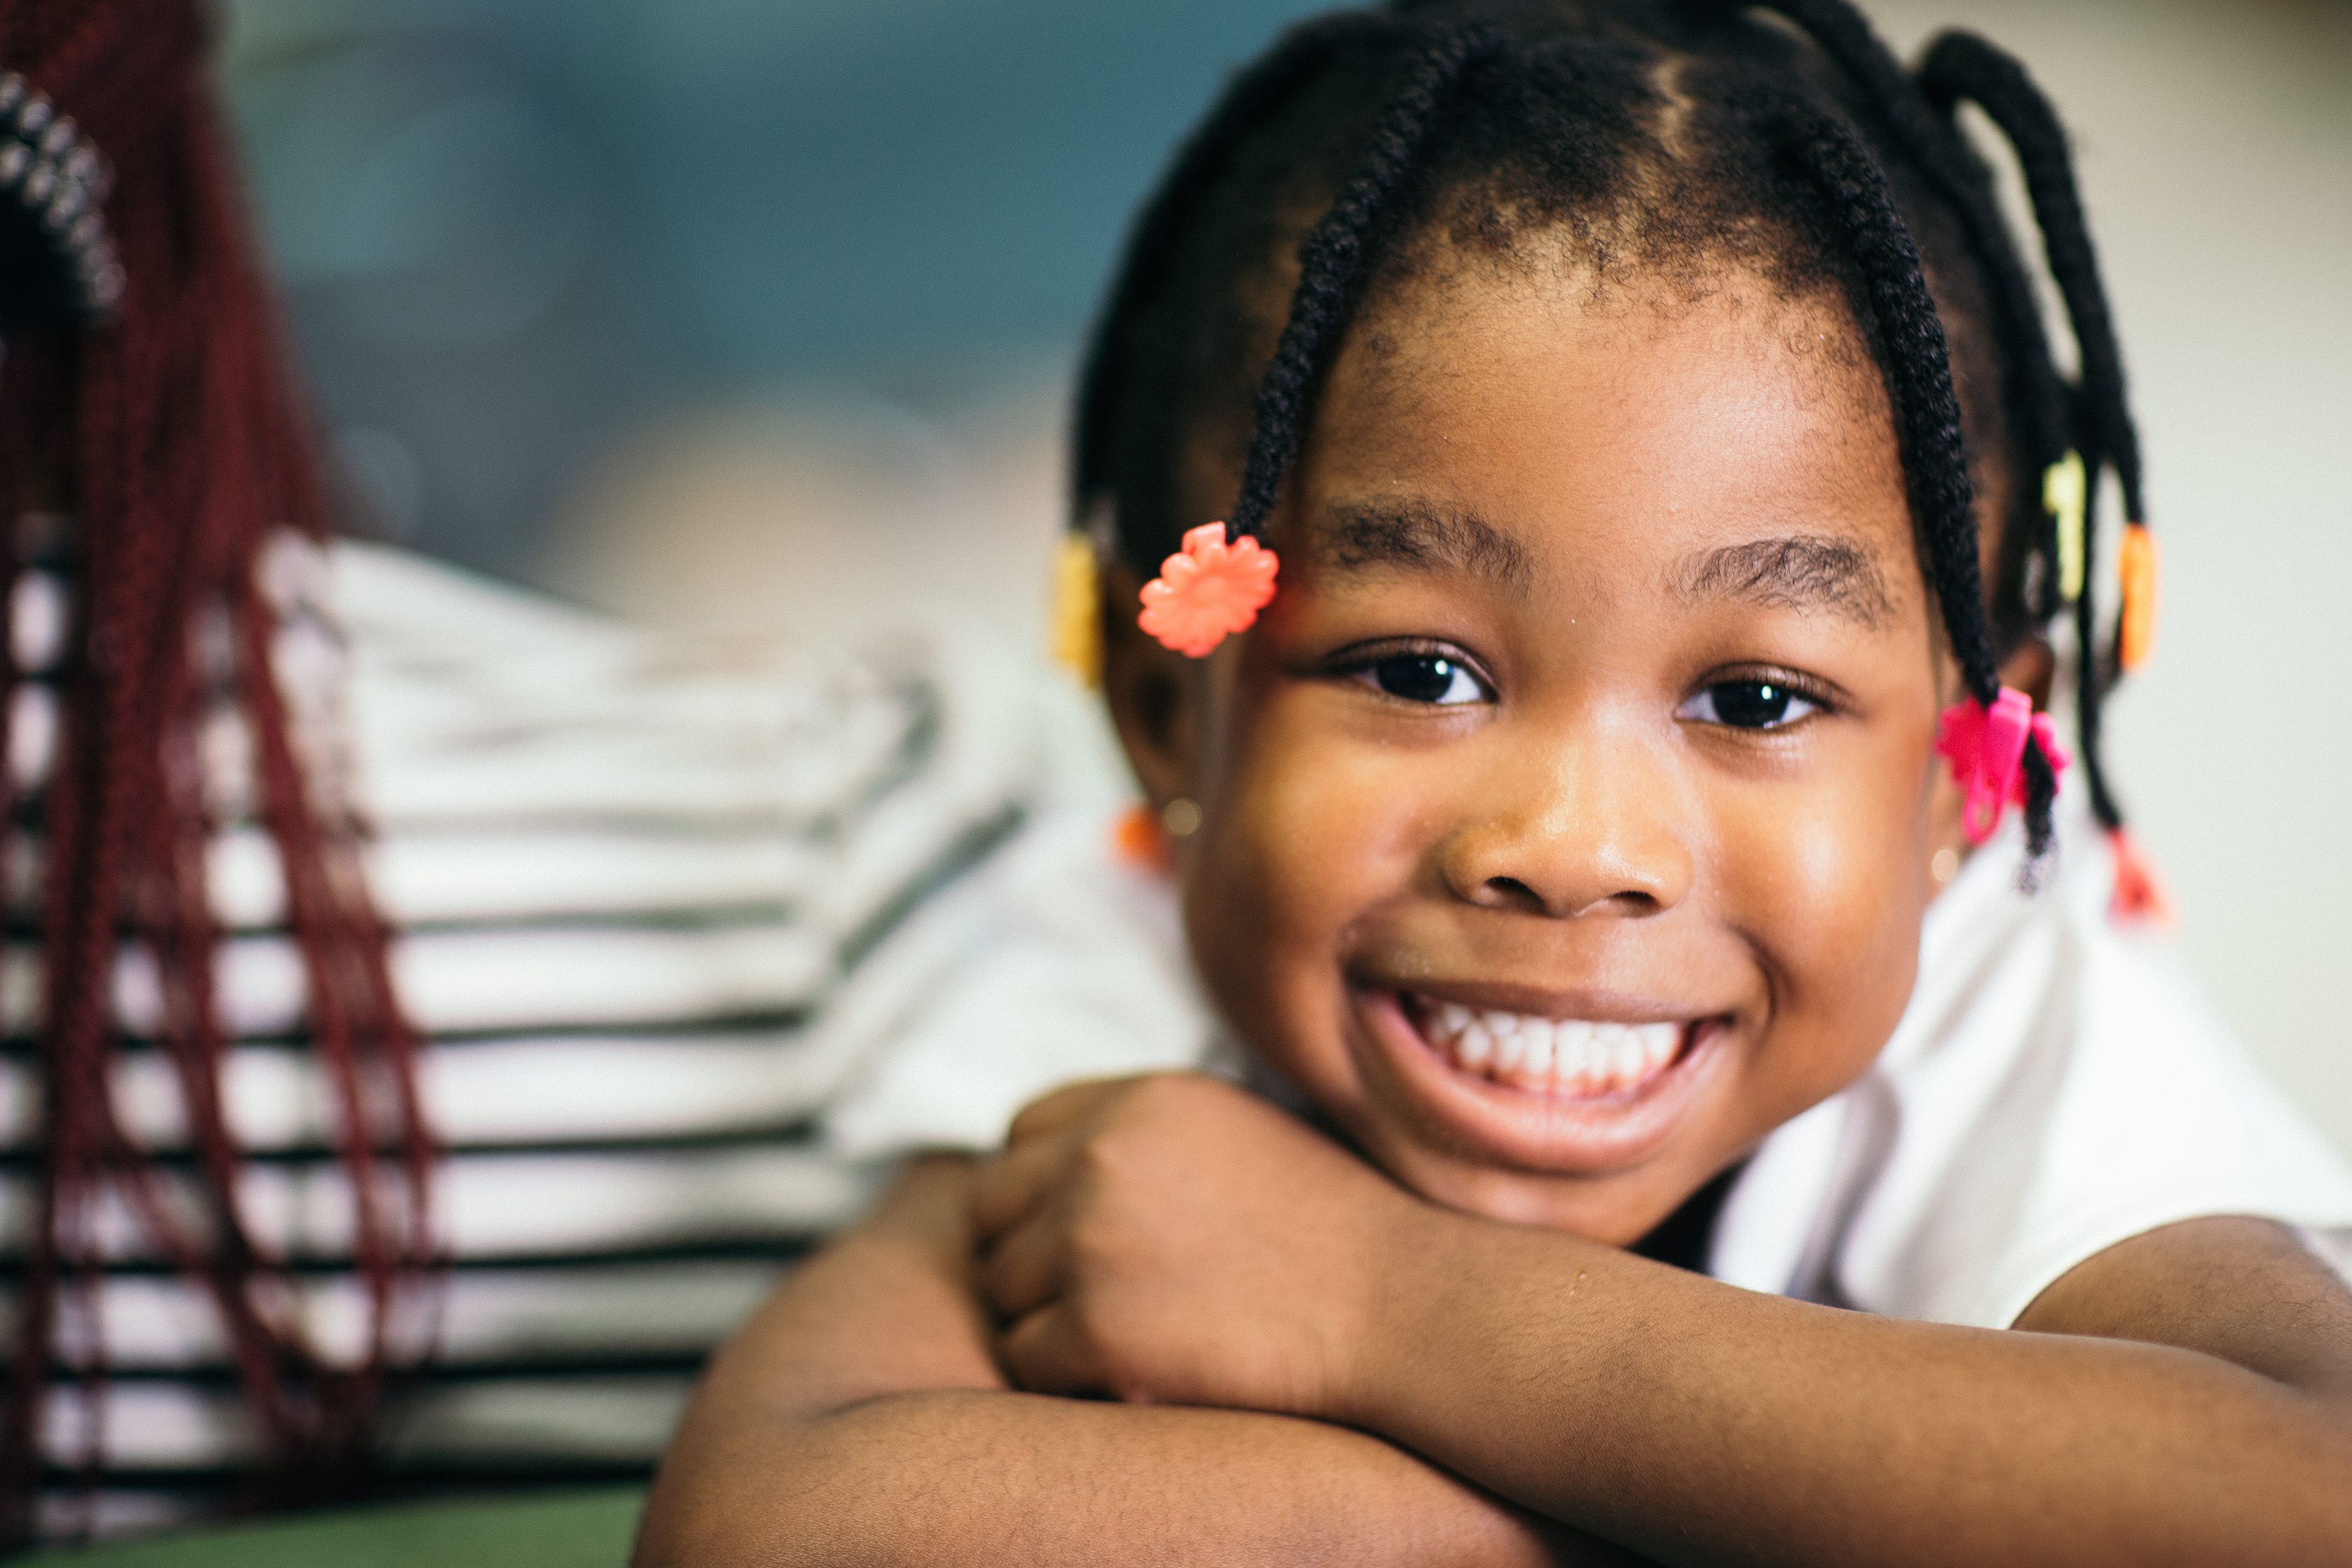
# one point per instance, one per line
(1566, 816)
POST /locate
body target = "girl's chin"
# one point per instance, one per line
(1537, 1096)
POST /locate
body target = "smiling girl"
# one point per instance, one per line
(1619, 836)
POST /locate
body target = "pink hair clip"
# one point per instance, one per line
(1209, 591)
(1988, 755)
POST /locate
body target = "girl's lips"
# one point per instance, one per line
(1566, 1096)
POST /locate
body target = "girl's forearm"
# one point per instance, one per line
(1596, 1388)
(860, 1417)
(981, 1478)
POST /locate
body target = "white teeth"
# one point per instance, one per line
(1611, 1048)
(1539, 1053)
(1536, 1038)
(1573, 1058)
(1633, 1059)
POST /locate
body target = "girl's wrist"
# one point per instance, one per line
(927, 1205)
(1412, 1313)
(1455, 1293)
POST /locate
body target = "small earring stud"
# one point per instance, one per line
(1181, 817)
(1945, 866)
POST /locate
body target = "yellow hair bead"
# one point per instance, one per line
(2065, 496)
(2136, 637)
(1077, 611)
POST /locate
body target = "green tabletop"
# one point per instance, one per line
(573, 1530)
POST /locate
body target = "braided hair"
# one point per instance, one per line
(145, 396)
(1664, 134)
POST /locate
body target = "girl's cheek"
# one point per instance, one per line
(1303, 835)
(1836, 902)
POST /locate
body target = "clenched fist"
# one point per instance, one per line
(1171, 1240)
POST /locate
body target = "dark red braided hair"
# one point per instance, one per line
(166, 428)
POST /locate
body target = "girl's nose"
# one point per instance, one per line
(1589, 831)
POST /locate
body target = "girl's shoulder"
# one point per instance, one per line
(2059, 1083)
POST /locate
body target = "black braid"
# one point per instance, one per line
(2035, 395)
(1962, 66)
(1252, 99)
(2035, 392)
(1333, 263)
(1926, 409)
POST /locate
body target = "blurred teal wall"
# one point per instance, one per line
(508, 228)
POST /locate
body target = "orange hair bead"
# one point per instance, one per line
(2137, 635)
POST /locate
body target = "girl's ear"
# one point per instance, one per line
(1155, 694)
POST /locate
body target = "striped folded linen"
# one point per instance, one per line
(632, 876)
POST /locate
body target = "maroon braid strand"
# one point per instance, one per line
(168, 430)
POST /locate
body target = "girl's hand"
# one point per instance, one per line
(859, 1416)
(1171, 1240)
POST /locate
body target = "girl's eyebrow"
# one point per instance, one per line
(1799, 573)
(1415, 535)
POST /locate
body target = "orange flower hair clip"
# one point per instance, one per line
(1208, 592)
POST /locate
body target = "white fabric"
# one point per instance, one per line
(630, 874)
(2056, 1085)
(1054, 963)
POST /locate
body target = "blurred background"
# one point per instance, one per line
(760, 313)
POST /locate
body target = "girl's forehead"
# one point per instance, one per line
(1693, 446)
(1541, 395)
(1728, 322)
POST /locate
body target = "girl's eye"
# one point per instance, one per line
(1748, 705)
(1429, 677)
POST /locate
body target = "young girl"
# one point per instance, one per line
(1621, 837)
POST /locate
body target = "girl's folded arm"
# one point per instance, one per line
(2184, 1397)
(859, 1418)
